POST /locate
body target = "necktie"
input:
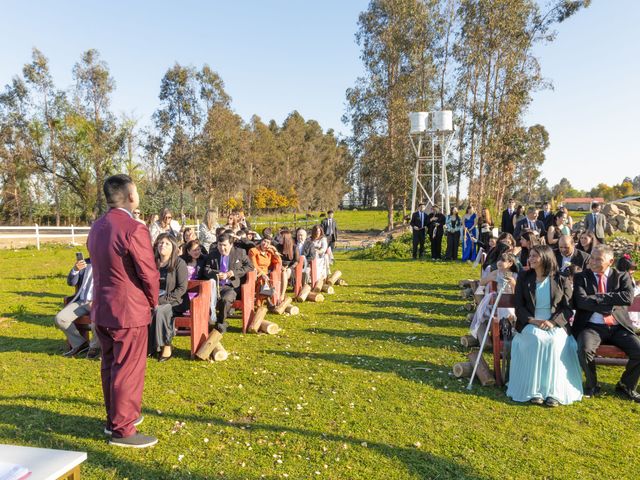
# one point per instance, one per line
(608, 319)
(224, 267)
(421, 219)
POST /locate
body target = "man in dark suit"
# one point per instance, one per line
(435, 229)
(596, 222)
(531, 222)
(601, 295)
(545, 216)
(330, 229)
(568, 255)
(418, 225)
(507, 217)
(228, 265)
(125, 291)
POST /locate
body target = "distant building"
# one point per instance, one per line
(581, 204)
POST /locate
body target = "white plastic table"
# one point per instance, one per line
(45, 463)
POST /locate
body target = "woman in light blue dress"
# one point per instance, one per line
(544, 358)
(470, 235)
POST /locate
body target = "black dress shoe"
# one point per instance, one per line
(164, 359)
(137, 440)
(591, 392)
(536, 401)
(627, 392)
(77, 350)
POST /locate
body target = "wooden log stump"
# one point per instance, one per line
(469, 341)
(328, 289)
(280, 309)
(335, 276)
(466, 293)
(465, 283)
(219, 354)
(342, 282)
(470, 307)
(269, 327)
(304, 293)
(318, 287)
(293, 310)
(315, 297)
(258, 318)
(204, 352)
(462, 369)
(484, 374)
(469, 317)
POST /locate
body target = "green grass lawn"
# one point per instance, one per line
(358, 387)
(353, 220)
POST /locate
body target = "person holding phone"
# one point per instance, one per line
(81, 277)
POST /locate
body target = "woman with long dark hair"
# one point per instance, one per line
(290, 258)
(453, 226)
(173, 299)
(544, 356)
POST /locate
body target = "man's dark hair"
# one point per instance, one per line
(116, 188)
(225, 237)
(329, 212)
(267, 236)
(545, 203)
(594, 205)
(267, 232)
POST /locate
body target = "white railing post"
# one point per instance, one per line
(73, 235)
(37, 237)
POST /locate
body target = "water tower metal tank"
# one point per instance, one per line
(418, 122)
(442, 121)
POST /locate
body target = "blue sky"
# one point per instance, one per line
(277, 56)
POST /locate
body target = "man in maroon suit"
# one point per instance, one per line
(125, 292)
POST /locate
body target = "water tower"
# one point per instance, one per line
(431, 135)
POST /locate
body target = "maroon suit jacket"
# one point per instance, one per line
(125, 277)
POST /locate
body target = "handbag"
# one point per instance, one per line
(266, 290)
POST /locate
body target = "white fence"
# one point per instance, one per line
(39, 233)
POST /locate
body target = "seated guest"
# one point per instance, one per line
(228, 265)
(601, 295)
(587, 241)
(626, 264)
(507, 217)
(242, 220)
(166, 224)
(233, 223)
(556, 228)
(318, 251)
(137, 216)
(303, 247)
(80, 276)
(264, 258)
(290, 257)
(528, 240)
(173, 300)
(207, 229)
(568, 254)
(544, 359)
(195, 259)
(189, 234)
(530, 222)
(453, 226)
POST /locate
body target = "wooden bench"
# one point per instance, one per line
(196, 319)
(297, 280)
(247, 298)
(605, 355)
(315, 274)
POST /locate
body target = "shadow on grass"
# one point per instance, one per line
(51, 276)
(31, 345)
(57, 296)
(44, 428)
(403, 317)
(413, 339)
(32, 318)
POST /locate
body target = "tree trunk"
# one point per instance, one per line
(390, 211)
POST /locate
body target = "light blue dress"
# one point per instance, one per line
(544, 363)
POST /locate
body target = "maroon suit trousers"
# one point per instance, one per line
(124, 360)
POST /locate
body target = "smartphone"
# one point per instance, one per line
(79, 256)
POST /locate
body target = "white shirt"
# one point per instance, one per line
(595, 316)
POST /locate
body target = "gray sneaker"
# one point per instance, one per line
(138, 421)
(137, 440)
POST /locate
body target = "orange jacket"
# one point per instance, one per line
(263, 261)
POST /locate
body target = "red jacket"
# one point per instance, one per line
(125, 277)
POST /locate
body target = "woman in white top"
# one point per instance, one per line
(166, 224)
(207, 229)
(319, 247)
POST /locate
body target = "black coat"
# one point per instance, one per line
(435, 225)
(525, 300)
(586, 300)
(579, 259)
(415, 220)
(507, 221)
(176, 287)
(524, 224)
(239, 264)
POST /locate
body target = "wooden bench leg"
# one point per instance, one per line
(497, 349)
